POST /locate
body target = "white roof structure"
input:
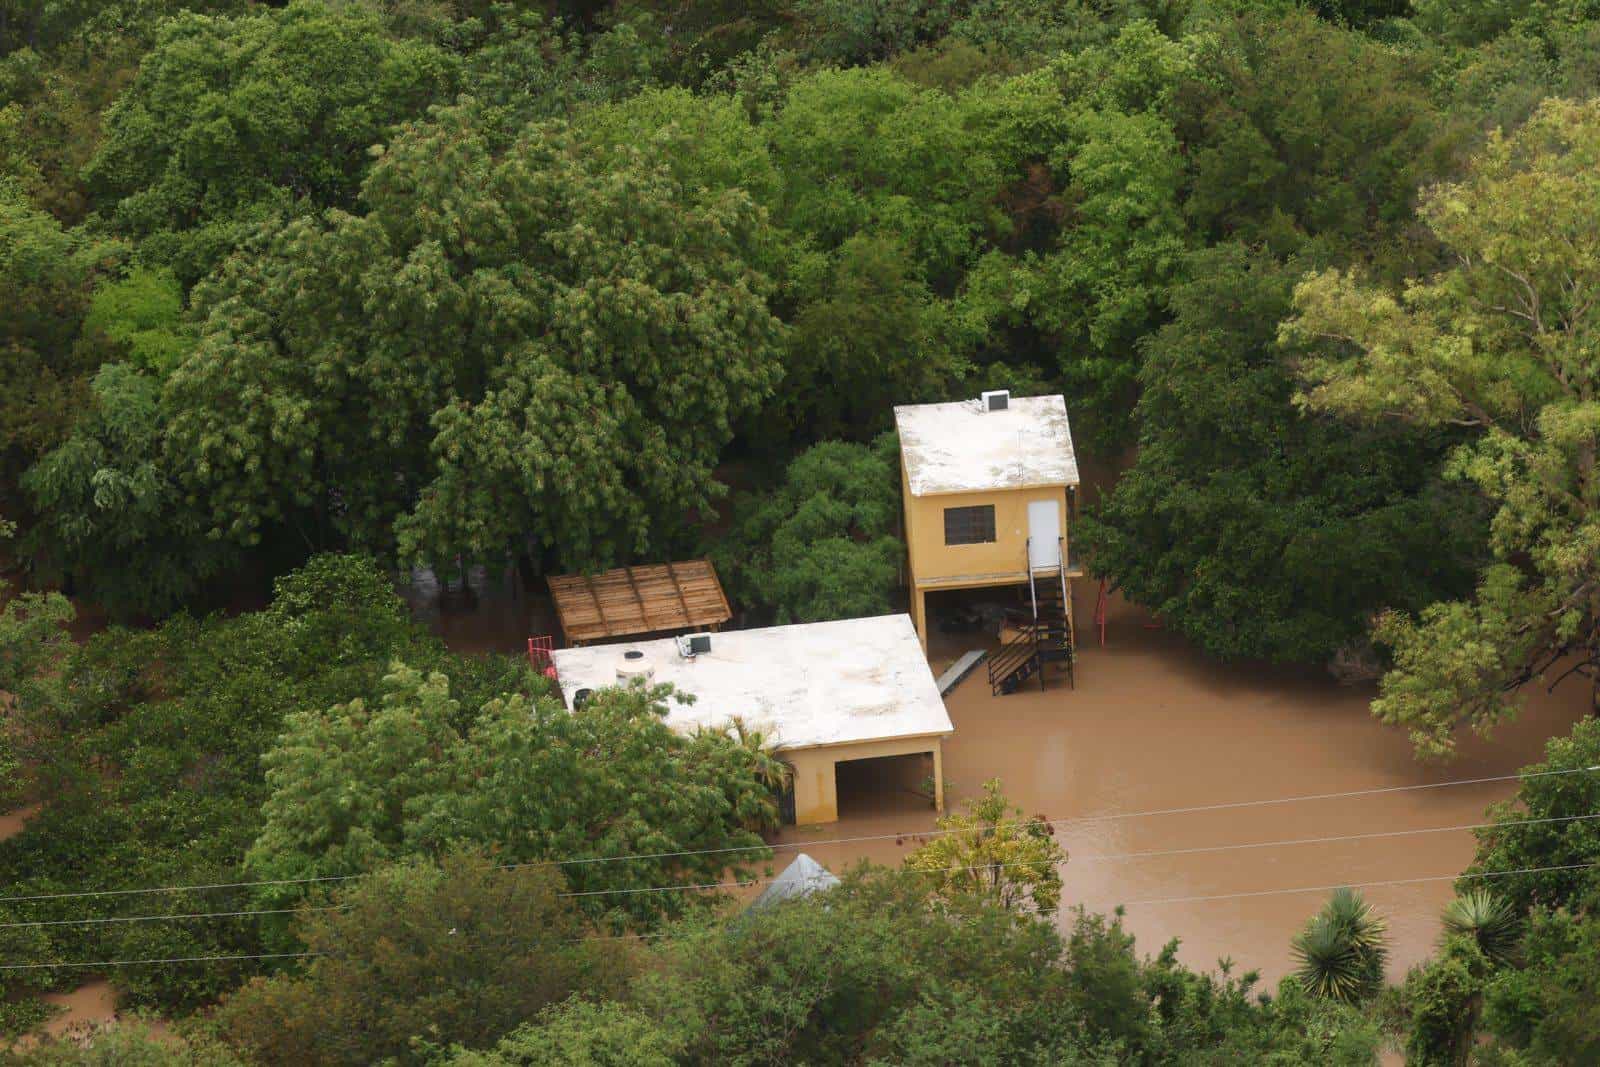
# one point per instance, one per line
(961, 448)
(801, 878)
(812, 684)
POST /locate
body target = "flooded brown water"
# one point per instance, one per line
(1152, 726)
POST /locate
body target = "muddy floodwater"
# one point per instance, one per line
(1153, 725)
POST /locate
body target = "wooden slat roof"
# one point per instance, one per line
(637, 600)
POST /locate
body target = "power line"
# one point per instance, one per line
(1082, 819)
(792, 845)
(170, 918)
(169, 959)
(746, 883)
(177, 888)
(1354, 885)
(977, 867)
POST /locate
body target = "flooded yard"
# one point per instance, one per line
(1154, 726)
(1151, 726)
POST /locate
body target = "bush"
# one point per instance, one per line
(460, 952)
(151, 754)
(823, 545)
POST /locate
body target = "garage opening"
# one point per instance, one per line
(885, 785)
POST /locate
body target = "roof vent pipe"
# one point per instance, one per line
(635, 664)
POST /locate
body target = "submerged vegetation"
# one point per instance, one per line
(296, 296)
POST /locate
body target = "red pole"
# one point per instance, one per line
(1100, 612)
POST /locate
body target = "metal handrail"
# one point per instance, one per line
(1066, 599)
(1012, 655)
(1027, 558)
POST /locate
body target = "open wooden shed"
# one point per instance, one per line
(638, 600)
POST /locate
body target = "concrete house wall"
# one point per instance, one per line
(936, 565)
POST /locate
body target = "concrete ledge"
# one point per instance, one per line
(960, 669)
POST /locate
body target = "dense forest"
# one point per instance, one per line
(295, 298)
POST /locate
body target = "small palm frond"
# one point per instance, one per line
(1488, 920)
(1327, 964)
(1341, 951)
(1368, 931)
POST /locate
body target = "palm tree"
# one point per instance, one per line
(1487, 920)
(1342, 950)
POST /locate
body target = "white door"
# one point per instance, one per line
(1044, 534)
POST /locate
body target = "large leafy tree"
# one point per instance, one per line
(231, 120)
(865, 150)
(1504, 343)
(512, 351)
(33, 642)
(47, 275)
(1095, 179)
(1303, 135)
(1549, 824)
(1254, 529)
(994, 852)
(362, 783)
(112, 518)
(879, 970)
(823, 545)
(868, 333)
(149, 744)
(1542, 1013)
(455, 951)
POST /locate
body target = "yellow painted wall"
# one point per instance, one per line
(816, 790)
(935, 563)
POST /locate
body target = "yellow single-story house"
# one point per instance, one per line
(824, 693)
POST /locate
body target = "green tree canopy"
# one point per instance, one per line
(823, 545)
(360, 784)
(1254, 529)
(578, 1033)
(149, 746)
(506, 352)
(1542, 1013)
(460, 951)
(1502, 343)
(112, 517)
(993, 851)
(1547, 824)
(232, 120)
(47, 274)
(880, 970)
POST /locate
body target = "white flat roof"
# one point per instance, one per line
(961, 448)
(818, 683)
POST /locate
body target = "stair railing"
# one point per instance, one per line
(1066, 599)
(1027, 559)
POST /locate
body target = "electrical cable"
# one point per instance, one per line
(979, 867)
(785, 846)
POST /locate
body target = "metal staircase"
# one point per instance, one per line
(1046, 638)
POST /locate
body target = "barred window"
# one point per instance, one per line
(969, 526)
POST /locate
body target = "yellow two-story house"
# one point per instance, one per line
(987, 485)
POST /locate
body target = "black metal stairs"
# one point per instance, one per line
(1046, 639)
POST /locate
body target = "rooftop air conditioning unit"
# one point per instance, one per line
(692, 645)
(996, 399)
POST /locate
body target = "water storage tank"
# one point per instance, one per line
(635, 664)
